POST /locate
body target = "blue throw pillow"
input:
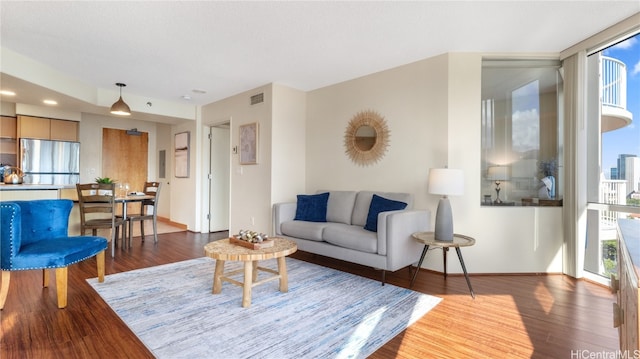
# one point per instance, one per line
(312, 208)
(381, 204)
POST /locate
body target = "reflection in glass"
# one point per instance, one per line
(521, 127)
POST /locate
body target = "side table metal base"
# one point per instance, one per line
(444, 254)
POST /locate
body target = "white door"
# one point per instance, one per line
(220, 174)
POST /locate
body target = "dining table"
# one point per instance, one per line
(131, 198)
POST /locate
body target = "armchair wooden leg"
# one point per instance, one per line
(100, 265)
(4, 287)
(45, 278)
(61, 285)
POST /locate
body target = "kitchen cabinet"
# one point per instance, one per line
(625, 312)
(69, 193)
(25, 192)
(47, 128)
(8, 127)
(8, 142)
(64, 130)
(34, 127)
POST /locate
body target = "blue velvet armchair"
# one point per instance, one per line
(34, 235)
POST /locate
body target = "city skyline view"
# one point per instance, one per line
(625, 140)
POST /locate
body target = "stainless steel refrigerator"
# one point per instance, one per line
(50, 162)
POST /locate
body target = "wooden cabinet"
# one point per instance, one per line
(8, 142)
(625, 312)
(64, 130)
(34, 127)
(8, 127)
(47, 128)
(69, 193)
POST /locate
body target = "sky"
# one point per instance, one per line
(627, 139)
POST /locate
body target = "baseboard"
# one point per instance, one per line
(175, 224)
(489, 273)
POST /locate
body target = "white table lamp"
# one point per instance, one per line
(446, 182)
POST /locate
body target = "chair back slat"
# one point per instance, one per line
(151, 189)
(97, 205)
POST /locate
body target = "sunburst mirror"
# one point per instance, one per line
(366, 138)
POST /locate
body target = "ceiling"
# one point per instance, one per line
(164, 50)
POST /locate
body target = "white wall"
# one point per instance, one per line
(185, 193)
(250, 195)
(432, 108)
(279, 174)
(412, 100)
(163, 137)
(288, 144)
(7, 109)
(519, 239)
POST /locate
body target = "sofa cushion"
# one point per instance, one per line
(363, 202)
(312, 208)
(340, 206)
(381, 204)
(303, 229)
(352, 237)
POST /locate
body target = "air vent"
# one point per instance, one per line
(259, 98)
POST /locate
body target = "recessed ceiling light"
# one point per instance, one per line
(198, 91)
(186, 97)
(7, 93)
(50, 102)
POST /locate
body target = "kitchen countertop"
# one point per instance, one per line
(26, 187)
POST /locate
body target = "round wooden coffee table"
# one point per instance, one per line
(223, 250)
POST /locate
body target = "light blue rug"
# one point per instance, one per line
(325, 314)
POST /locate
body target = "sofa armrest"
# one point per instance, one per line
(394, 236)
(283, 212)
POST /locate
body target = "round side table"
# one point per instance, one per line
(459, 240)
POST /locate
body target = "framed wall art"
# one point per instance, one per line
(249, 144)
(181, 154)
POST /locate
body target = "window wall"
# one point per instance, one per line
(613, 155)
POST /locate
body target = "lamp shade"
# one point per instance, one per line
(446, 181)
(120, 107)
(498, 173)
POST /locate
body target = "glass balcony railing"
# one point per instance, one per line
(611, 192)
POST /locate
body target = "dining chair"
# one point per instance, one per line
(148, 211)
(98, 210)
(34, 235)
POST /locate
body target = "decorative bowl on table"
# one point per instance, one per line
(251, 239)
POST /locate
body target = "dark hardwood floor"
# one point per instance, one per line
(519, 316)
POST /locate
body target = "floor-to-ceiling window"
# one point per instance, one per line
(613, 188)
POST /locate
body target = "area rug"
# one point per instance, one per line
(325, 314)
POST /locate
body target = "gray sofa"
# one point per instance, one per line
(344, 237)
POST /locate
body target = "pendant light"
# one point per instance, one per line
(120, 107)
